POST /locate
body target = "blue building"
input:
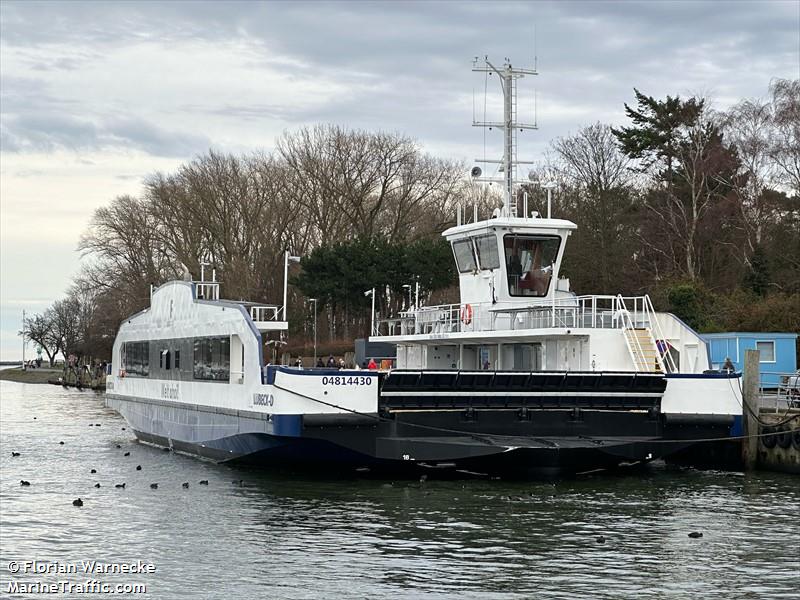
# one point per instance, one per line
(778, 352)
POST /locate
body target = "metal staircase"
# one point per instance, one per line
(643, 350)
(642, 346)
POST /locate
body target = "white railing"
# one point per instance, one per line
(578, 312)
(204, 290)
(594, 312)
(779, 391)
(632, 340)
(264, 312)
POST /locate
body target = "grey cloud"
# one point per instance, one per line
(152, 139)
(249, 112)
(368, 34)
(47, 133)
(64, 63)
(28, 173)
(591, 55)
(41, 132)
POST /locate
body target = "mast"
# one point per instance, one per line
(508, 83)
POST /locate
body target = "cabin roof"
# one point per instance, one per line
(761, 334)
(518, 224)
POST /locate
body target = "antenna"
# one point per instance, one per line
(535, 68)
(509, 78)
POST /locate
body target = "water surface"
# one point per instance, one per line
(296, 537)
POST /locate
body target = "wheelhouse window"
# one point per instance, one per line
(465, 258)
(488, 258)
(212, 358)
(136, 358)
(530, 262)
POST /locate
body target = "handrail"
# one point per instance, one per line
(628, 325)
(263, 310)
(786, 394)
(655, 325)
(590, 311)
(206, 290)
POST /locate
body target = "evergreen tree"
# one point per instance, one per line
(657, 129)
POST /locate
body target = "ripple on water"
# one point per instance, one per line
(297, 537)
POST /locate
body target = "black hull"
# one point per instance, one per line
(516, 463)
(446, 424)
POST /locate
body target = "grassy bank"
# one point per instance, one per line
(29, 375)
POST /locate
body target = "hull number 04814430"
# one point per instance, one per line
(346, 380)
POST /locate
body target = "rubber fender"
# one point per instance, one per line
(796, 438)
(785, 438)
(769, 439)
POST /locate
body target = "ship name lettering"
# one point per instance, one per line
(263, 400)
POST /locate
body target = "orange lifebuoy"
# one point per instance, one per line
(466, 314)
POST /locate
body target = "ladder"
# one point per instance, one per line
(643, 350)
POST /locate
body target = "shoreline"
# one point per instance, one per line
(37, 376)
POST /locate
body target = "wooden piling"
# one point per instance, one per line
(750, 408)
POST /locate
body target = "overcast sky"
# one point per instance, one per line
(95, 96)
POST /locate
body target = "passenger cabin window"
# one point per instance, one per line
(177, 359)
(165, 360)
(465, 258)
(487, 252)
(136, 358)
(212, 358)
(530, 261)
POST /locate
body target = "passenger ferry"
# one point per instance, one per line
(521, 378)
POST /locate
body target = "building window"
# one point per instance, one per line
(136, 358)
(767, 350)
(531, 260)
(488, 257)
(465, 258)
(212, 358)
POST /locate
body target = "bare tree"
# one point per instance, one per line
(786, 147)
(125, 237)
(707, 167)
(354, 184)
(749, 126)
(594, 189)
(41, 330)
(67, 324)
(594, 159)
